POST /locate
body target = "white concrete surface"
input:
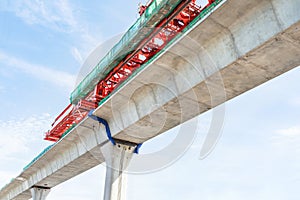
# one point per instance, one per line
(117, 158)
(39, 193)
(239, 46)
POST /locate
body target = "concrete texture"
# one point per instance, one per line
(239, 46)
(39, 193)
(117, 158)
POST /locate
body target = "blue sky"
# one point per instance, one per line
(42, 47)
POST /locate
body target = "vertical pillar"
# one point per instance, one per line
(117, 158)
(39, 193)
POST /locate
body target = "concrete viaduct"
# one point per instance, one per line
(238, 46)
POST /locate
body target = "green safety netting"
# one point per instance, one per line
(37, 157)
(191, 25)
(203, 14)
(156, 11)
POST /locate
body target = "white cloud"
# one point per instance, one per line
(76, 54)
(60, 16)
(292, 132)
(56, 77)
(21, 140)
(57, 15)
(287, 140)
(16, 135)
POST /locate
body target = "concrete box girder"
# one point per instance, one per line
(242, 43)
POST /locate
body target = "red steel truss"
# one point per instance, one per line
(167, 29)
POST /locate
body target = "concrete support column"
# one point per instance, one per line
(117, 158)
(39, 193)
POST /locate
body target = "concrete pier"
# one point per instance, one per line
(39, 193)
(117, 158)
